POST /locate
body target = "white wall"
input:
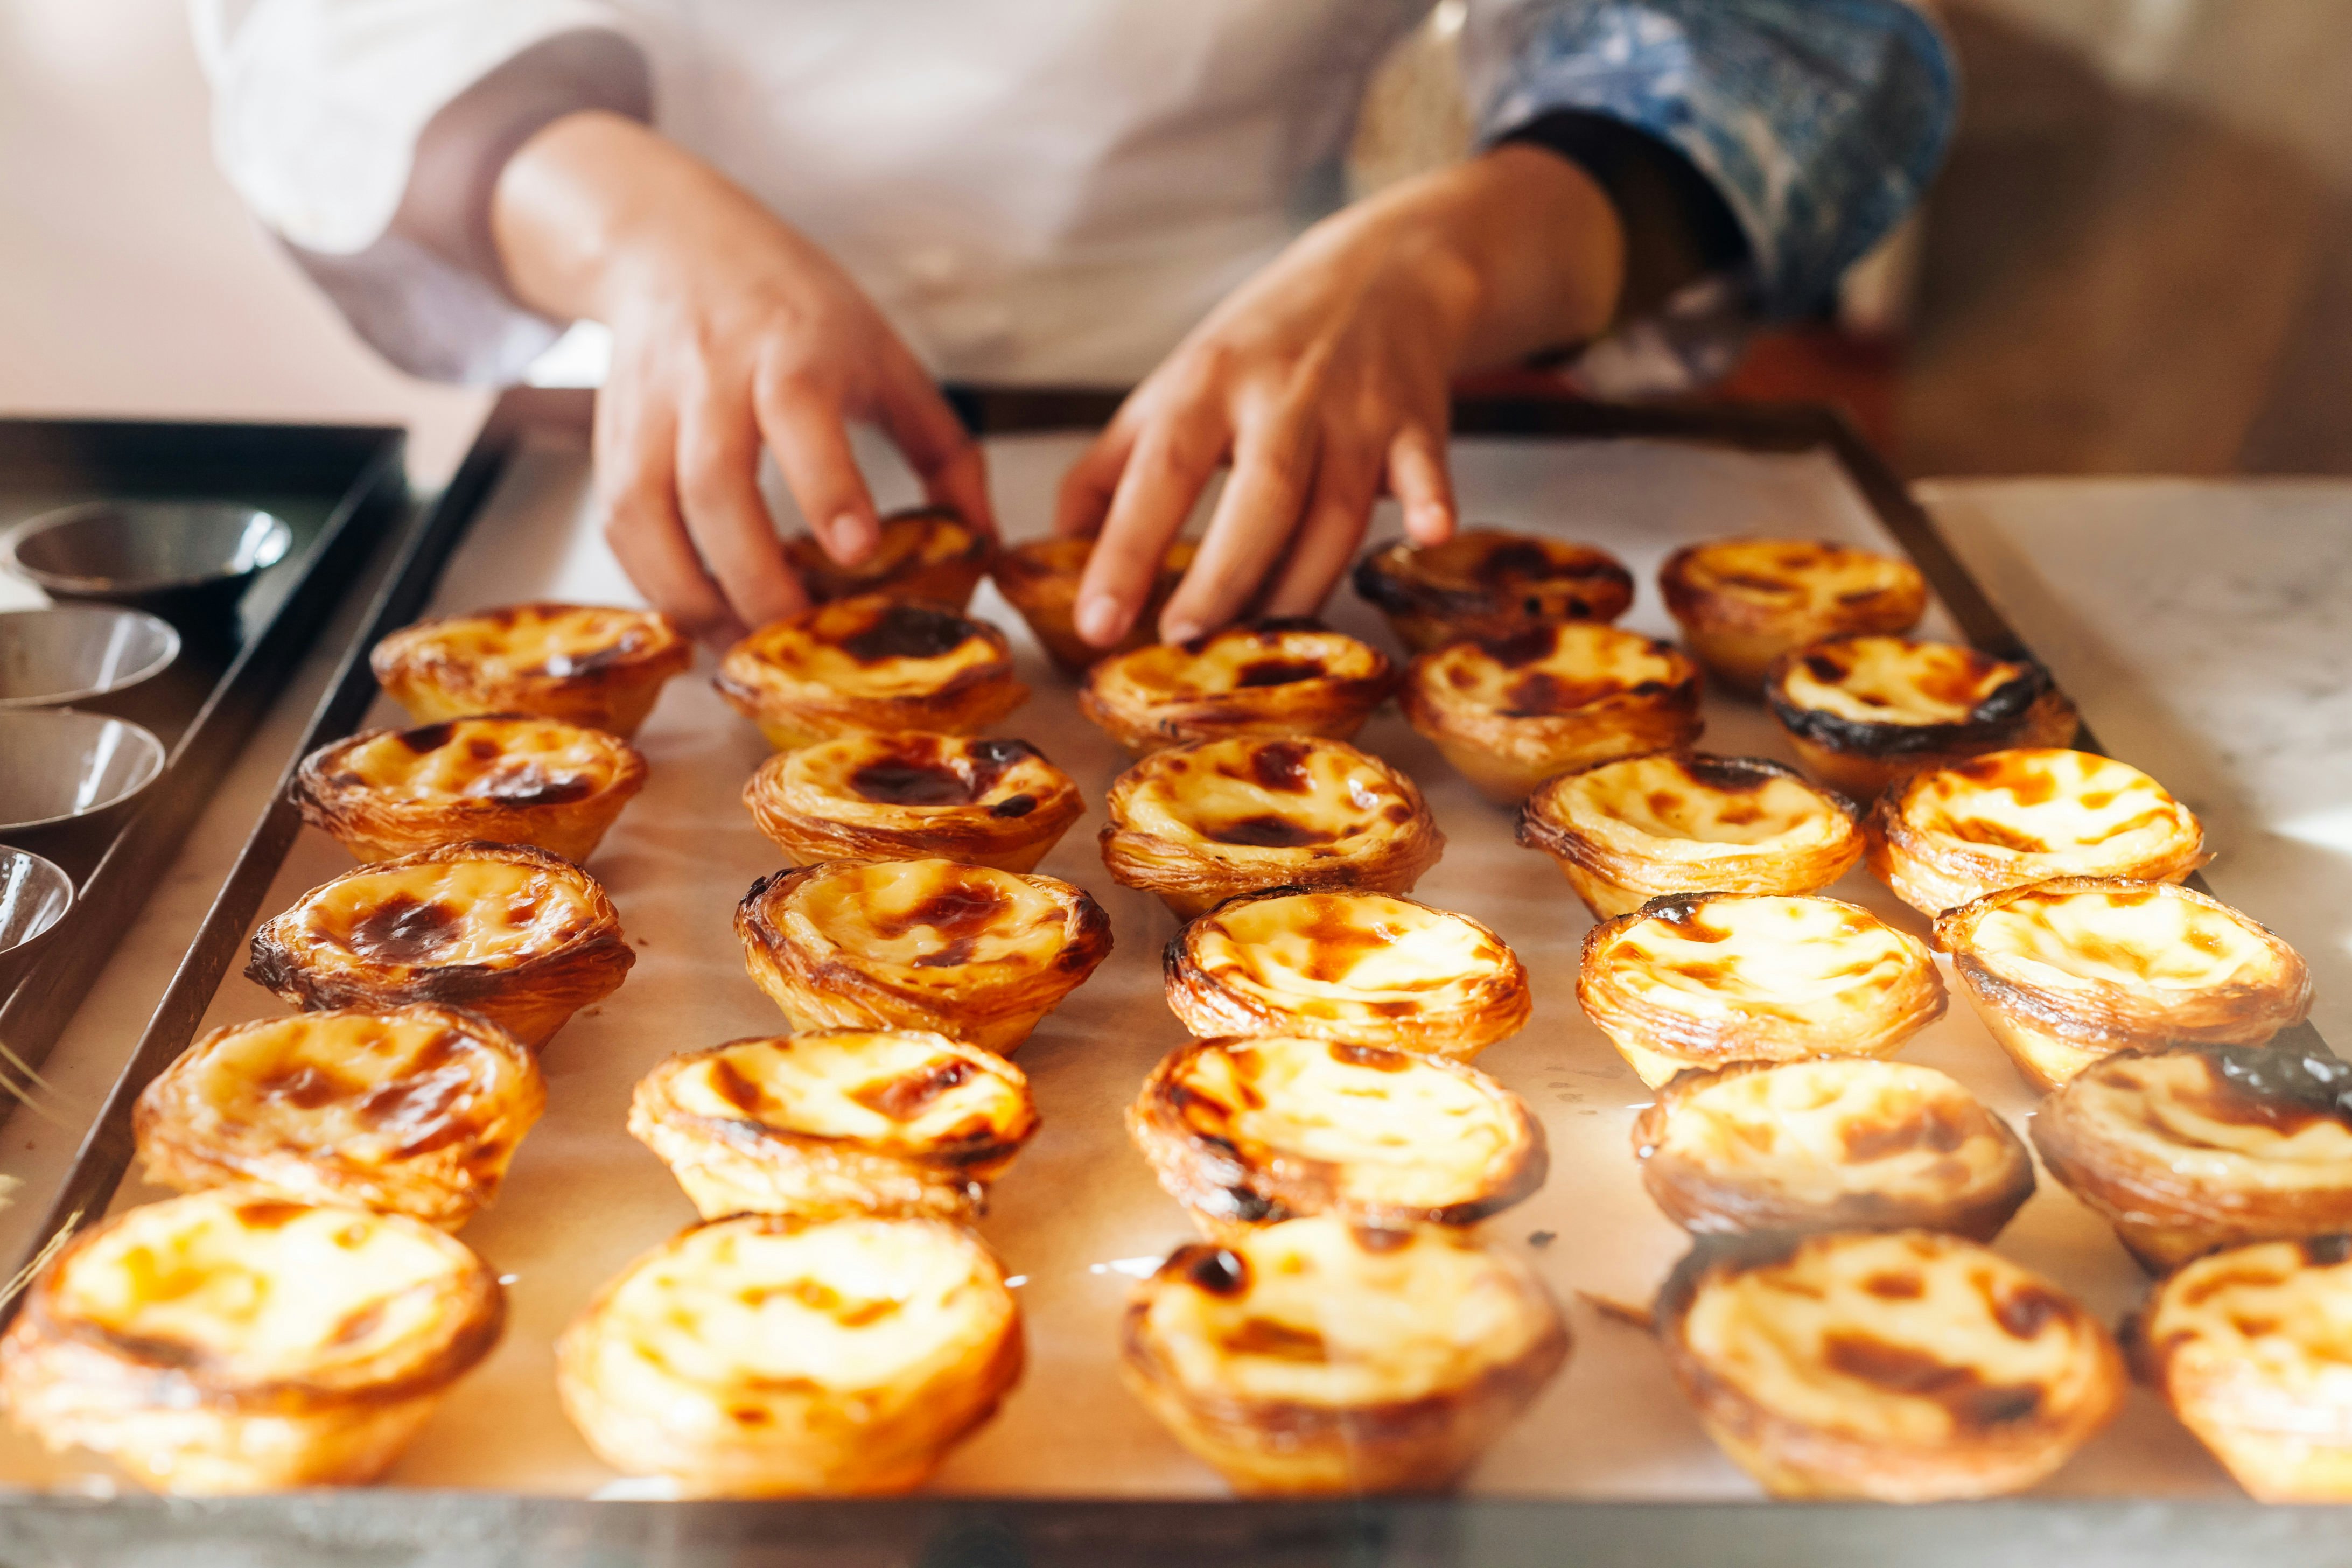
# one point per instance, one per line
(131, 280)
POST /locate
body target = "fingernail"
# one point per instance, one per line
(1098, 620)
(855, 536)
(1181, 631)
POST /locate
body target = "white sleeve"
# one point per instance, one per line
(367, 134)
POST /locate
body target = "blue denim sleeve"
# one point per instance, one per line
(1820, 121)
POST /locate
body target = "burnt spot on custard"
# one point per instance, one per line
(1530, 577)
(909, 1095)
(958, 914)
(1937, 1127)
(526, 783)
(1281, 766)
(405, 929)
(1214, 1271)
(427, 738)
(1274, 1340)
(626, 646)
(1266, 830)
(904, 629)
(949, 773)
(1972, 1403)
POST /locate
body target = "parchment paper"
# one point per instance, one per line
(1078, 1216)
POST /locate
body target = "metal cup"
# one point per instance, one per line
(188, 562)
(83, 655)
(34, 898)
(68, 779)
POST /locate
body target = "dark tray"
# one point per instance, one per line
(393, 1526)
(339, 488)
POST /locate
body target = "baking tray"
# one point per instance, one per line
(337, 487)
(430, 1516)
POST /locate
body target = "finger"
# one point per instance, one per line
(937, 445)
(1418, 478)
(1346, 483)
(726, 516)
(635, 479)
(1172, 461)
(1273, 468)
(1088, 487)
(805, 431)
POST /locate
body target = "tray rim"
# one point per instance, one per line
(362, 1523)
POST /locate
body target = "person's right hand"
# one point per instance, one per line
(728, 331)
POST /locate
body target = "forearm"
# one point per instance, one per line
(1521, 249)
(589, 206)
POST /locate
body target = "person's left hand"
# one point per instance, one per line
(1323, 382)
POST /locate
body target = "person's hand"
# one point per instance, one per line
(730, 331)
(1323, 383)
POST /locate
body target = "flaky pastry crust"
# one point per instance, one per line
(1638, 828)
(1247, 1132)
(1487, 583)
(499, 779)
(1265, 677)
(232, 1341)
(1945, 836)
(523, 937)
(1362, 969)
(416, 1111)
(872, 662)
(923, 552)
(596, 665)
(907, 795)
(2066, 971)
(1863, 711)
(1743, 602)
(768, 1356)
(2191, 1148)
(2249, 1347)
(1040, 579)
(1842, 1144)
(1703, 979)
(1904, 1368)
(844, 1122)
(1511, 712)
(1199, 823)
(1316, 1356)
(975, 954)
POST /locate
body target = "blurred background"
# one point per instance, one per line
(2139, 259)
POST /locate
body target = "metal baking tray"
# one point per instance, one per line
(337, 487)
(445, 1526)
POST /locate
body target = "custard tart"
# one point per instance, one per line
(844, 1121)
(972, 952)
(501, 779)
(1945, 837)
(1841, 1143)
(1485, 582)
(1267, 677)
(1638, 828)
(1198, 823)
(232, 1341)
(1040, 579)
(2066, 971)
(923, 552)
(1903, 1367)
(1319, 1356)
(2250, 1348)
(595, 665)
(1862, 711)
(1245, 1132)
(870, 663)
(1711, 978)
(2192, 1147)
(907, 795)
(523, 937)
(1511, 712)
(416, 1111)
(767, 1356)
(1743, 602)
(1358, 969)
